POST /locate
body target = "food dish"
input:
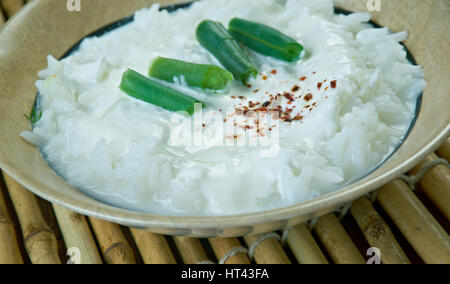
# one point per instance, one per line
(343, 105)
(46, 27)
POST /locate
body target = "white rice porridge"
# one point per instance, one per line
(348, 103)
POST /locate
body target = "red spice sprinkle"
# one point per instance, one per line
(242, 98)
(204, 125)
(233, 97)
(265, 77)
(252, 104)
(308, 97)
(333, 84)
(289, 97)
(255, 91)
(298, 117)
(319, 85)
(303, 78)
(274, 71)
(296, 88)
(308, 106)
(249, 86)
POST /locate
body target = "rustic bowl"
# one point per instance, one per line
(47, 27)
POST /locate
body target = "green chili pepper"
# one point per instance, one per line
(206, 77)
(265, 40)
(215, 38)
(153, 92)
(34, 116)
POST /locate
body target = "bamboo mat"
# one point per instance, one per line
(407, 220)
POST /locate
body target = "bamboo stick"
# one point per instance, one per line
(377, 232)
(112, 241)
(304, 246)
(191, 250)
(418, 226)
(436, 184)
(77, 235)
(153, 248)
(444, 151)
(337, 242)
(9, 247)
(40, 241)
(222, 246)
(268, 251)
(11, 6)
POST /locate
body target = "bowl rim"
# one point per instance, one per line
(326, 202)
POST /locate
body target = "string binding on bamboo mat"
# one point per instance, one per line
(250, 252)
(412, 180)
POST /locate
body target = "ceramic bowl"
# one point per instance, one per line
(46, 27)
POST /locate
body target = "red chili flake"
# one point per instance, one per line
(233, 97)
(308, 97)
(252, 104)
(298, 117)
(255, 91)
(319, 85)
(333, 84)
(314, 72)
(308, 106)
(224, 120)
(326, 88)
(289, 97)
(314, 104)
(204, 125)
(249, 86)
(296, 89)
(265, 77)
(303, 78)
(274, 71)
